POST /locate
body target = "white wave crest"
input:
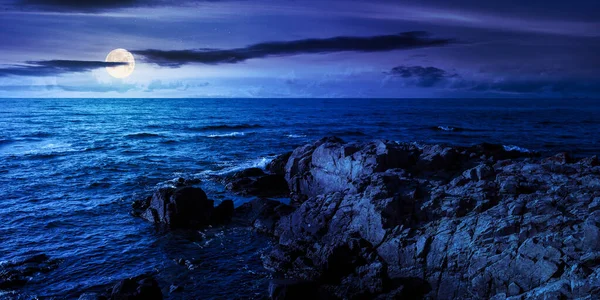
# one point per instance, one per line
(446, 128)
(260, 162)
(515, 148)
(231, 134)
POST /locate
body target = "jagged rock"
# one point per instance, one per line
(277, 165)
(262, 214)
(382, 219)
(175, 288)
(223, 213)
(140, 287)
(186, 207)
(250, 172)
(255, 182)
(289, 289)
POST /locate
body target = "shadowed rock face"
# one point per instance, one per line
(186, 207)
(254, 182)
(382, 219)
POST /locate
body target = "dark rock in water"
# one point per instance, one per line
(290, 289)
(255, 182)
(175, 288)
(386, 220)
(186, 207)
(17, 274)
(223, 213)
(181, 182)
(140, 287)
(277, 165)
(262, 214)
(250, 172)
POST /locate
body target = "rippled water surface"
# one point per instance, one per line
(69, 169)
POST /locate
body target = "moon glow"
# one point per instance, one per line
(120, 55)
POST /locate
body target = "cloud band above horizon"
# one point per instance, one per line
(405, 40)
(55, 67)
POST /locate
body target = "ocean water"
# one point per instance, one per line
(70, 168)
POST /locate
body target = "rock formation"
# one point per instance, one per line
(254, 182)
(389, 220)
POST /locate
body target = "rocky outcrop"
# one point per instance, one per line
(17, 273)
(389, 220)
(186, 207)
(254, 182)
(277, 165)
(140, 287)
(261, 214)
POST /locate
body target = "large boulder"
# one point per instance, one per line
(387, 220)
(254, 182)
(186, 207)
(330, 165)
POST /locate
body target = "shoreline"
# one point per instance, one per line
(382, 219)
(385, 219)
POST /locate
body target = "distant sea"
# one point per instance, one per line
(70, 168)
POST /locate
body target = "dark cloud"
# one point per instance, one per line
(564, 87)
(54, 67)
(429, 77)
(80, 5)
(406, 40)
(93, 6)
(423, 76)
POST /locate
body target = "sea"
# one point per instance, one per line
(70, 169)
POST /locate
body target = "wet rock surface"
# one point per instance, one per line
(184, 207)
(255, 182)
(387, 220)
(261, 214)
(140, 287)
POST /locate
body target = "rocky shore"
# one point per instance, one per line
(391, 220)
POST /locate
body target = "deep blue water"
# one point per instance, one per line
(70, 168)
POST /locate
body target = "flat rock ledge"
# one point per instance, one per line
(386, 220)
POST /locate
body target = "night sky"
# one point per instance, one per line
(302, 48)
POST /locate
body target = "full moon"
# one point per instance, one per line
(120, 55)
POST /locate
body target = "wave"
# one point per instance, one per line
(260, 162)
(231, 134)
(516, 148)
(292, 136)
(5, 141)
(224, 127)
(141, 135)
(168, 142)
(448, 128)
(38, 134)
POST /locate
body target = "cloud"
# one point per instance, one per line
(432, 77)
(406, 40)
(424, 76)
(566, 87)
(80, 5)
(54, 67)
(94, 6)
